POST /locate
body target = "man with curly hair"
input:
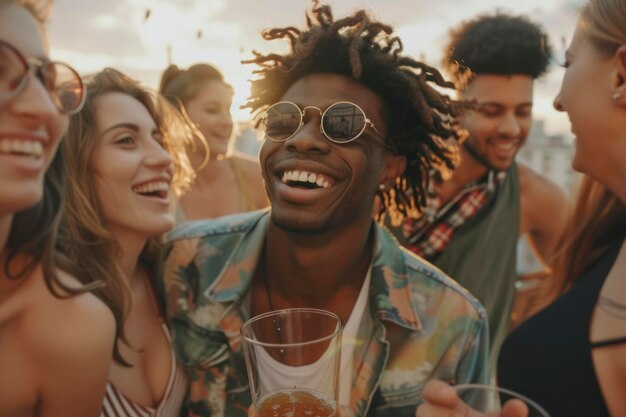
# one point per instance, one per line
(473, 219)
(346, 118)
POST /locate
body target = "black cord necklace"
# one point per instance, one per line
(268, 293)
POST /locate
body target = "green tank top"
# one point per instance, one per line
(482, 257)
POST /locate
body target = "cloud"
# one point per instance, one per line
(91, 34)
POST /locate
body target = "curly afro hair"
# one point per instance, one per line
(497, 44)
(422, 122)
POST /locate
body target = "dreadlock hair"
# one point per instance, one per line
(497, 44)
(422, 122)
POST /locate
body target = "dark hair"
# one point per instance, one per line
(421, 121)
(179, 86)
(496, 44)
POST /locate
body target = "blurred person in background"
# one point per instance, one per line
(475, 216)
(227, 181)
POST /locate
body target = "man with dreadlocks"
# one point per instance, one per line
(472, 221)
(346, 117)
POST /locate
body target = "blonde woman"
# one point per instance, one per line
(126, 160)
(231, 175)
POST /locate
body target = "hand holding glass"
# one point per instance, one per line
(475, 400)
(490, 400)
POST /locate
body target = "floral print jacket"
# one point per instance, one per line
(425, 325)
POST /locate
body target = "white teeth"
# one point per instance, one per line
(305, 176)
(27, 147)
(506, 146)
(152, 187)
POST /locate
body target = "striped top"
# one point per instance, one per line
(116, 404)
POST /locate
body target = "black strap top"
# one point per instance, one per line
(548, 357)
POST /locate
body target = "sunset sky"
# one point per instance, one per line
(92, 34)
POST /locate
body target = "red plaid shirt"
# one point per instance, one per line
(429, 235)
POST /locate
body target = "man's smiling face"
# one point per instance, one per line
(502, 121)
(313, 183)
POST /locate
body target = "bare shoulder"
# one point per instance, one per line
(248, 164)
(539, 191)
(251, 170)
(67, 328)
(68, 343)
(60, 348)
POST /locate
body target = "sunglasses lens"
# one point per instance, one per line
(343, 122)
(282, 120)
(13, 71)
(65, 86)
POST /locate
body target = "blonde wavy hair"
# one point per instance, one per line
(604, 22)
(84, 236)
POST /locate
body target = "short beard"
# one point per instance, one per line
(478, 156)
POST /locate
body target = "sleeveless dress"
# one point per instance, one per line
(548, 358)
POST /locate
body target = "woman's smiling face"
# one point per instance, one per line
(132, 172)
(31, 126)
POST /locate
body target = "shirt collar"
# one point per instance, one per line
(390, 297)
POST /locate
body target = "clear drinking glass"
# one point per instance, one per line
(292, 358)
(488, 400)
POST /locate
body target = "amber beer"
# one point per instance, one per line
(296, 403)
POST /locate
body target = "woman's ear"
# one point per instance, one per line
(619, 77)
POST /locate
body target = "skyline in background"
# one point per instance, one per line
(92, 34)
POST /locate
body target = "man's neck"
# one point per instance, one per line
(470, 169)
(315, 270)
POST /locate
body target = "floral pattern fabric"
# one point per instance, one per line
(425, 325)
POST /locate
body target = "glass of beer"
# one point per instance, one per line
(292, 358)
